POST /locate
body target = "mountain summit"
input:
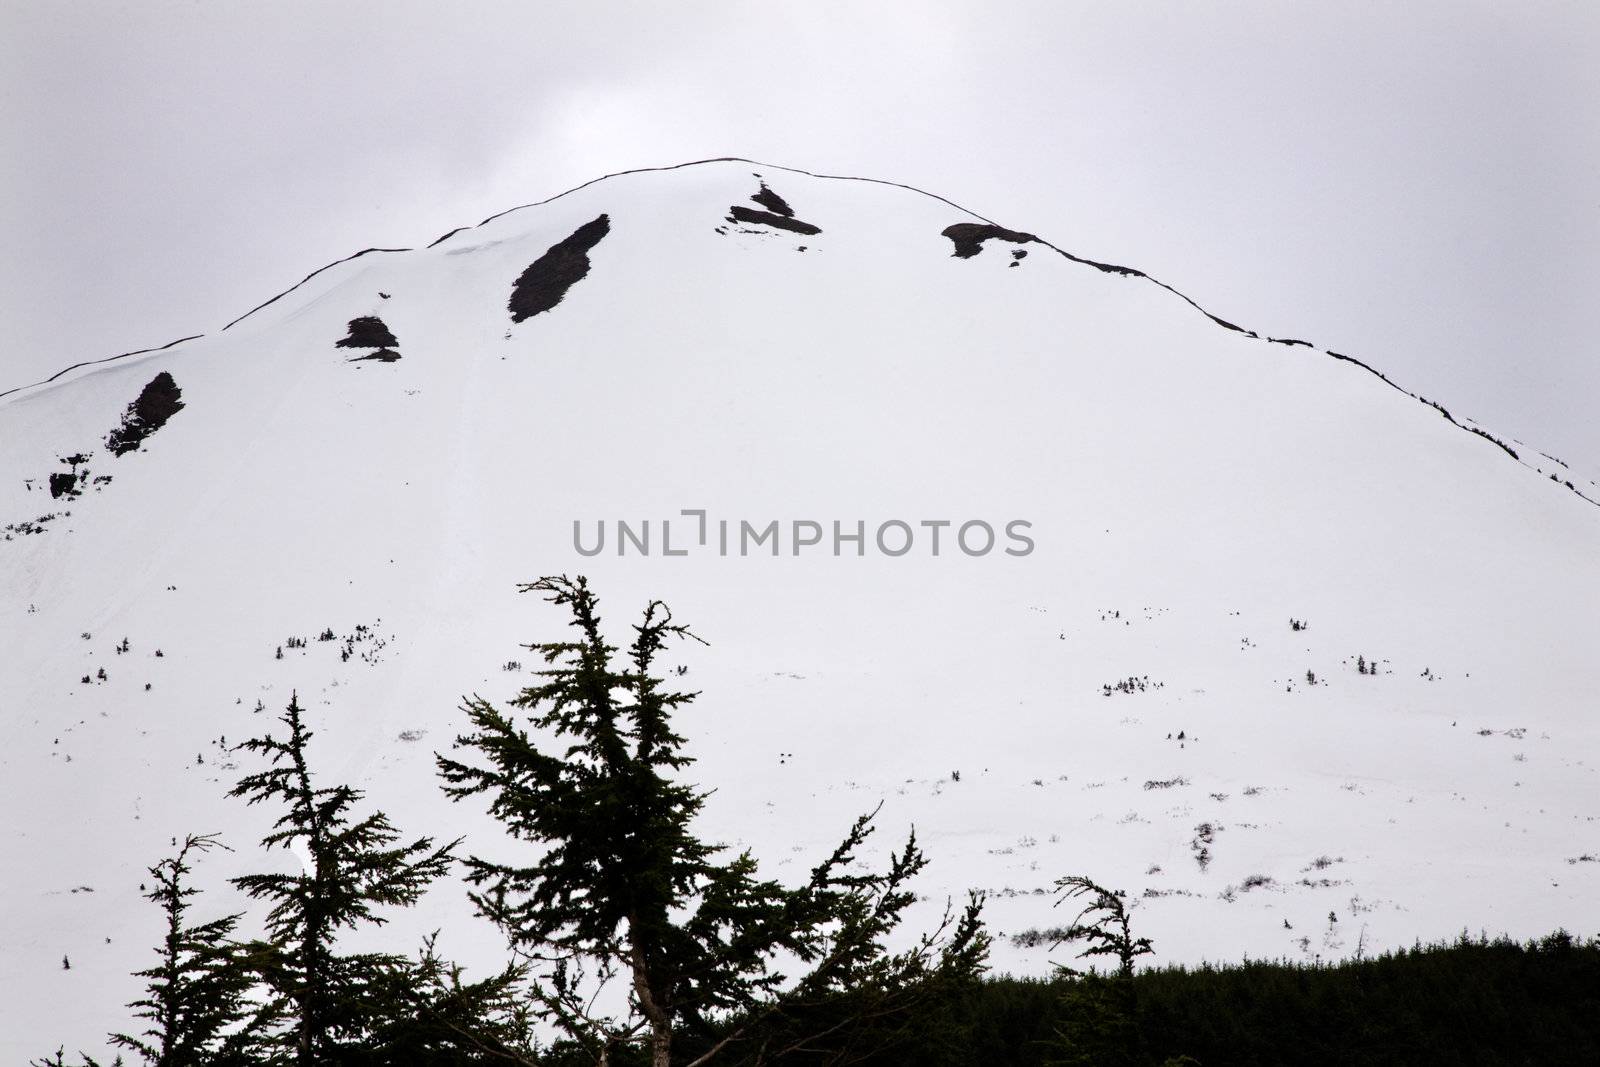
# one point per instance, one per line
(1071, 573)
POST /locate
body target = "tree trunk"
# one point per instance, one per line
(311, 994)
(649, 1005)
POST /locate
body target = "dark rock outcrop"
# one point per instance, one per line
(968, 237)
(739, 213)
(773, 202)
(547, 279)
(369, 331)
(156, 403)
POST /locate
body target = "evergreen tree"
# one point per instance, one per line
(439, 1020)
(197, 998)
(1099, 1025)
(622, 888)
(59, 1059)
(335, 1006)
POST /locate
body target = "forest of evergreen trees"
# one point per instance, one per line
(601, 883)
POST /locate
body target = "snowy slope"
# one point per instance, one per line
(1189, 487)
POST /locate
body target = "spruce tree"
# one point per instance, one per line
(197, 1000)
(59, 1059)
(1099, 1025)
(620, 888)
(335, 1006)
(437, 1019)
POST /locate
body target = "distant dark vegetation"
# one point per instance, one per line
(1473, 1002)
(547, 279)
(968, 237)
(156, 403)
(1470, 1002)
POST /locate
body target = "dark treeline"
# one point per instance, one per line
(1474, 1001)
(600, 881)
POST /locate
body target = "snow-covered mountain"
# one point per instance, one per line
(1095, 671)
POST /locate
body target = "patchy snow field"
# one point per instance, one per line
(1190, 489)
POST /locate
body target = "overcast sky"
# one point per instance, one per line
(1415, 184)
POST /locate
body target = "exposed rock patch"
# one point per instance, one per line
(773, 202)
(968, 237)
(740, 213)
(777, 214)
(369, 331)
(547, 279)
(156, 403)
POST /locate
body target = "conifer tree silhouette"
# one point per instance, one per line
(620, 888)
